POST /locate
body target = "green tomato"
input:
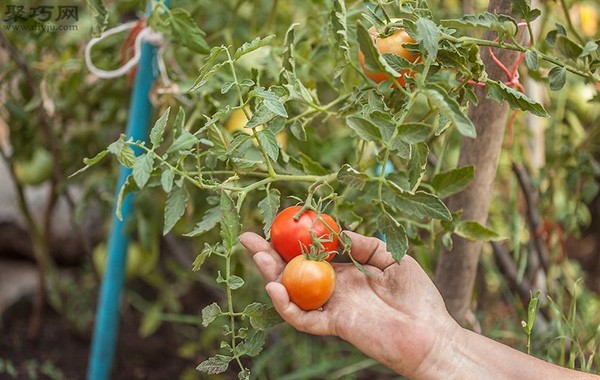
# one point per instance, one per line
(135, 259)
(36, 170)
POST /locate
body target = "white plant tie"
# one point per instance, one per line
(146, 34)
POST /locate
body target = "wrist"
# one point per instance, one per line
(442, 361)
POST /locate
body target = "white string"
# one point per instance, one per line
(145, 34)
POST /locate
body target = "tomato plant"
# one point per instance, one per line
(293, 236)
(391, 44)
(310, 283)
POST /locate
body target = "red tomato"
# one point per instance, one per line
(309, 283)
(393, 45)
(290, 237)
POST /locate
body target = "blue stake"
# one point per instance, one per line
(107, 315)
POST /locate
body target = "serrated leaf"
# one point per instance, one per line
(268, 140)
(142, 168)
(395, 236)
(100, 15)
(340, 28)
(210, 68)
(475, 231)
(210, 313)
(253, 344)
(422, 205)
(352, 177)
(230, 222)
(261, 316)
(235, 282)
(486, 21)
(450, 108)
(174, 208)
(262, 116)
(128, 186)
(166, 180)
(417, 165)
(557, 77)
(186, 31)
(374, 62)
(89, 162)
(414, 132)
(211, 218)
(428, 36)
(268, 207)
(311, 166)
(156, 134)
(516, 100)
(183, 142)
(253, 45)
(215, 365)
(201, 257)
(452, 181)
(365, 129)
(272, 102)
(124, 153)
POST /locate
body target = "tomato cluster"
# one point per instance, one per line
(305, 243)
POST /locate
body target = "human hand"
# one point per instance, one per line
(395, 316)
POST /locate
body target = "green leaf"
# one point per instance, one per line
(414, 132)
(215, 365)
(450, 108)
(89, 162)
(339, 27)
(268, 140)
(235, 282)
(210, 67)
(262, 116)
(395, 236)
(183, 142)
(122, 151)
(485, 21)
(475, 231)
(352, 177)
(557, 78)
(128, 186)
(374, 62)
(253, 344)
(452, 181)
(253, 45)
(151, 321)
(142, 168)
(500, 92)
(210, 313)
(522, 8)
(532, 60)
(174, 208)
(230, 222)
(268, 207)
(186, 31)
(287, 56)
(422, 205)
(272, 102)
(428, 36)
(365, 129)
(567, 47)
(166, 180)
(100, 15)
(262, 317)
(417, 165)
(201, 257)
(156, 134)
(210, 220)
(311, 166)
(590, 48)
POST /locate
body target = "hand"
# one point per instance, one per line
(395, 316)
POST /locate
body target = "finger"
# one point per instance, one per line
(314, 322)
(269, 268)
(369, 250)
(255, 244)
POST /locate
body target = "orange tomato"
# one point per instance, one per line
(309, 283)
(393, 44)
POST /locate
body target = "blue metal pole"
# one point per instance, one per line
(107, 315)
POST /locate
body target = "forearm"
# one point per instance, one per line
(472, 356)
